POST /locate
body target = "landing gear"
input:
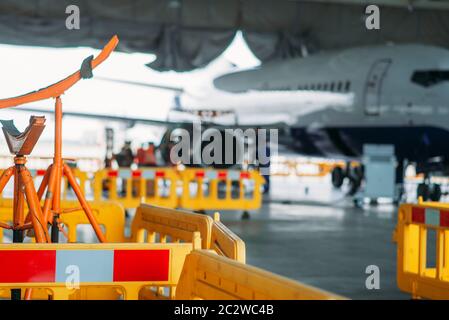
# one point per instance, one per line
(353, 173)
(429, 191)
(338, 177)
(245, 215)
(355, 176)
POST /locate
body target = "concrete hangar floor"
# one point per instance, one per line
(309, 232)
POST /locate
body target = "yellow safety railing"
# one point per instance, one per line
(208, 189)
(156, 224)
(133, 187)
(81, 176)
(207, 275)
(109, 214)
(187, 256)
(162, 225)
(225, 242)
(423, 266)
(89, 271)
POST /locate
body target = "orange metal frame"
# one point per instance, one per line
(39, 217)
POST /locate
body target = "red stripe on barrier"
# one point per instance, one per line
(418, 215)
(199, 174)
(222, 175)
(41, 172)
(444, 218)
(136, 174)
(244, 175)
(160, 174)
(141, 265)
(27, 266)
(113, 174)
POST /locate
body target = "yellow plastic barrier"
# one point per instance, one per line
(109, 214)
(208, 189)
(417, 274)
(225, 242)
(80, 176)
(68, 271)
(161, 225)
(176, 266)
(208, 276)
(155, 224)
(146, 185)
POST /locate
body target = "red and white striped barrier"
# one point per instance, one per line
(430, 216)
(128, 174)
(37, 266)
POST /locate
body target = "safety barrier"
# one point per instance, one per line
(154, 224)
(225, 242)
(422, 271)
(302, 167)
(201, 189)
(109, 214)
(81, 177)
(188, 256)
(87, 164)
(208, 276)
(66, 271)
(133, 187)
(208, 189)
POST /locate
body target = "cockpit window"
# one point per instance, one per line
(430, 77)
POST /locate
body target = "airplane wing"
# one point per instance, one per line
(153, 122)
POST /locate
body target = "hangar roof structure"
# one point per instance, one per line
(188, 34)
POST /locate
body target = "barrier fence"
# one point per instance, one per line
(422, 236)
(207, 275)
(171, 254)
(155, 224)
(123, 269)
(38, 174)
(302, 167)
(221, 189)
(132, 187)
(194, 189)
(109, 215)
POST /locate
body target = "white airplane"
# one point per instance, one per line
(334, 102)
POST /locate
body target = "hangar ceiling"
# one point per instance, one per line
(187, 34)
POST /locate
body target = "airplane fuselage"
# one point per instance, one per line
(400, 97)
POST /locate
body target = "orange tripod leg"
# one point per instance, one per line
(44, 183)
(37, 219)
(6, 175)
(84, 204)
(40, 192)
(19, 201)
(49, 196)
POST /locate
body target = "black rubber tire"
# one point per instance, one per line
(435, 192)
(423, 191)
(245, 215)
(355, 184)
(338, 177)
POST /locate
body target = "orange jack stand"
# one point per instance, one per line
(39, 217)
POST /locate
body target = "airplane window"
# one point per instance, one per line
(430, 77)
(339, 86)
(347, 86)
(332, 86)
(325, 87)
